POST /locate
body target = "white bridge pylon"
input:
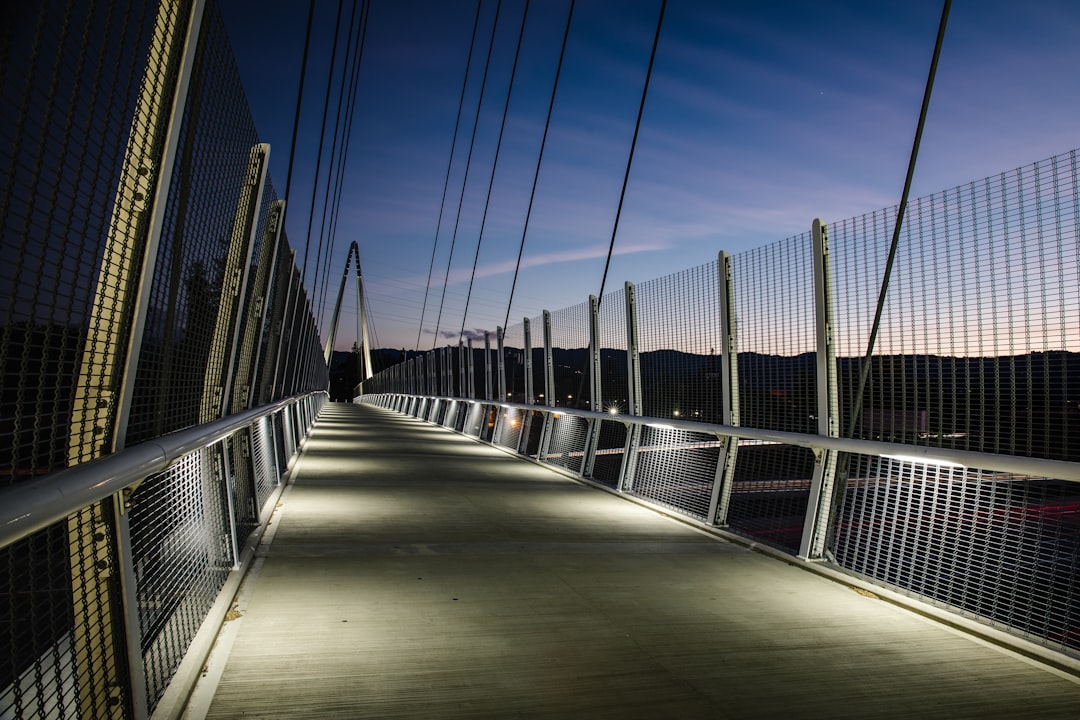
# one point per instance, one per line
(363, 328)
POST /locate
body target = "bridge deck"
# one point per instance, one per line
(414, 573)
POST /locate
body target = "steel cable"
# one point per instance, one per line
(468, 164)
(449, 165)
(633, 145)
(318, 154)
(337, 164)
(296, 117)
(539, 160)
(864, 372)
(494, 166)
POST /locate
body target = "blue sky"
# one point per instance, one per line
(761, 116)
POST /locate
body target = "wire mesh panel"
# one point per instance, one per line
(679, 345)
(64, 657)
(537, 359)
(73, 160)
(509, 428)
(566, 447)
(613, 362)
(530, 444)
(263, 463)
(183, 342)
(1003, 547)
(570, 356)
(278, 420)
(677, 469)
(774, 310)
(487, 428)
(37, 666)
(514, 363)
(85, 91)
(237, 454)
(770, 492)
(980, 332)
(610, 450)
(182, 555)
(475, 415)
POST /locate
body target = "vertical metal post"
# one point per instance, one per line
(530, 398)
(487, 365)
(819, 506)
(549, 365)
(103, 394)
(429, 375)
(549, 389)
(271, 244)
(500, 336)
(729, 388)
(448, 371)
(227, 456)
(282, 328)
(595, 394)
(471, 372)
(501, 361)
(633, 434)
(221, 365)
(462, 381)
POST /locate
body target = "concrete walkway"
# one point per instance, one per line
(414, 573)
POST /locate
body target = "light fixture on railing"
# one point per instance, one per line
(923, 461)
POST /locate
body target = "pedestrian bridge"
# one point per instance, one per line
(719, 493)
(412, 572)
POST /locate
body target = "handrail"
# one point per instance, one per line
(1019, 464)
(28, 507)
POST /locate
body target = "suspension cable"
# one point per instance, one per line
(468, 165)
(449, 165)
(539, 160)
(633, 144)
(864, 372)
(296, 117)
(494, 166)
(318, 154)
(346, 105)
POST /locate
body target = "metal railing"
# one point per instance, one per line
(170, 525)
(726, 392)
(162, 365)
